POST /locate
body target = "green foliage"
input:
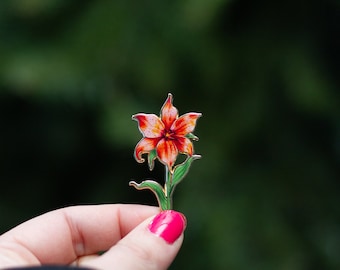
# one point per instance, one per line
(181, 170)
(155, 187)
(265, 75)
(152, 155)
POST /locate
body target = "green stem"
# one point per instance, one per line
(167, 188)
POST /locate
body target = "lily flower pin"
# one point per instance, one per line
(165, 138)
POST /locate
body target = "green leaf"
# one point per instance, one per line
(192, 137)
(151, 159)
(156, 188)
(182, 169)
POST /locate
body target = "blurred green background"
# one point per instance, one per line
(265, 75)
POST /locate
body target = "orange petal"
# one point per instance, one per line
(184, 145)
(145, 145)
(167, 152)
(149, 125)
(169, 113)
(185, 124)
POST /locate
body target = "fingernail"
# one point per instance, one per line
(169, 225)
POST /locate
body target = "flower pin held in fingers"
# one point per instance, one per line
(164, 138)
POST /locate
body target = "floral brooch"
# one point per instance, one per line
(165, 138)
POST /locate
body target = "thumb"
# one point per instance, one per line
(153, 244)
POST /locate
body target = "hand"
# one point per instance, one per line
(132, 236)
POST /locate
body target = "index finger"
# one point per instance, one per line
(63, 235)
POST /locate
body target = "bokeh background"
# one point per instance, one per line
(265, 75)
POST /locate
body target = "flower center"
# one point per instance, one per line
(168, 135)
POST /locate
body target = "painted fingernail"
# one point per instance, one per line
(169, 225)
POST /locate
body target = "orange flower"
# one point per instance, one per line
(168, 134)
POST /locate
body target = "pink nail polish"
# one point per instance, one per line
(169, 225)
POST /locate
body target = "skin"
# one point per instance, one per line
(75, 235)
